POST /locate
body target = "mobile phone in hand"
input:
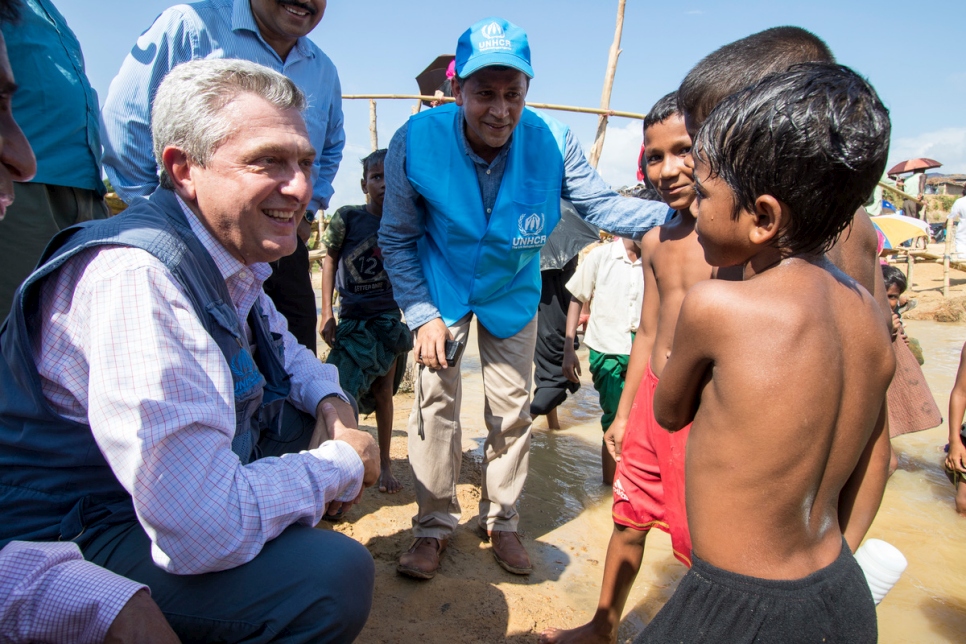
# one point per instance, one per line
(453, 351)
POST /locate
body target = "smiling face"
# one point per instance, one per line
(17, 161)
(282, 22)
(253, 191)
(667, 161)
(492, 100)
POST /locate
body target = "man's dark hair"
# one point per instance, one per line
(665, 108)
(744, 62)
(379, 156)
(10, 11)
(894, 277)
(815, 137)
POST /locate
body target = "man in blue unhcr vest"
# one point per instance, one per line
(472, 193)
(157, 412)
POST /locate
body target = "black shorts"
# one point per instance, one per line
(714, 605)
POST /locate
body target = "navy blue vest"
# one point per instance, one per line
(489, 265)
(54, 481)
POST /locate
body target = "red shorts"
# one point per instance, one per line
(649, 483)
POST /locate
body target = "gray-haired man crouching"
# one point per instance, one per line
(157, 411)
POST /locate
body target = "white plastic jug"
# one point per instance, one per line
(882, 564)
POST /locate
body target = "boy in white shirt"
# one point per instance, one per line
(612, 276)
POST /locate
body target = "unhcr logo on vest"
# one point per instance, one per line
(495, 38)
(531, 228)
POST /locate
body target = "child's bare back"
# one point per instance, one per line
(794, 394)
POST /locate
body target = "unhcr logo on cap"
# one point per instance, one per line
(492, 30)
(495, 38)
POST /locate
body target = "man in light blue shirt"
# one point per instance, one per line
(269, 32)
(472, 192)
(58, 112)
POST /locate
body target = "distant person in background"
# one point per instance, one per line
(269, 32)
(914, 185)
(58, 111)
(370, 341)
(957, 214)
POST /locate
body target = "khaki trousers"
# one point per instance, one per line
(435, 437)
(39, 211)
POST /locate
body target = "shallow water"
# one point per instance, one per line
(566, 507)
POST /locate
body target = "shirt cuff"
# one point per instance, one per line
(348, 464)
(104, 589)
(419, 314)
(318, 389)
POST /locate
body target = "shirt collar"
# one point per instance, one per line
(618, 252)
(242, 18)
(460, 127)
(228, 265)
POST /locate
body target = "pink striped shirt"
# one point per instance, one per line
(121, 349)
(48, 593)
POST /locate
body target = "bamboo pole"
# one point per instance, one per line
(373, 132)
(910, 263)
(946, 253)
(615, 51)
(539, 106)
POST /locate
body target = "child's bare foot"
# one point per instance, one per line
(589, 632)
(388, 482)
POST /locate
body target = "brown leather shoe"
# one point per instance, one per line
(422, 559)
(509, 552)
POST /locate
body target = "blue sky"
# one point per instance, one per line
(380, 45)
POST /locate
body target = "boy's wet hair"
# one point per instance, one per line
(665, 108)
(894, 277)
(379, 156)
(815, 137)
(744, 62)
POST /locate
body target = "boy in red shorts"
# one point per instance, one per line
(649, 483)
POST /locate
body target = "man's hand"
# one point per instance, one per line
(614, 438)
(364, 445)
(571, 364)
(140, 622)
(327, 327)
(430, 344)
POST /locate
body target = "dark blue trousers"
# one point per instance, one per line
(306, 585)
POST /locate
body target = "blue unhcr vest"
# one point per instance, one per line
(471, 263)
(54, 481)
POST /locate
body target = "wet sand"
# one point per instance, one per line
(566, 519)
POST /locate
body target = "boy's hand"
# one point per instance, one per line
(429, 345)
(614, 438)
(956, 458)
(571, 365)
(327, 327)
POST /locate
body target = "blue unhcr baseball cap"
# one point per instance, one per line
(493, 41)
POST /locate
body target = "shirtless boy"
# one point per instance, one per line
(649, 483)
(784, 397)
(734, 67)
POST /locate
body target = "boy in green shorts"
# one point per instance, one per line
(369, 342)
